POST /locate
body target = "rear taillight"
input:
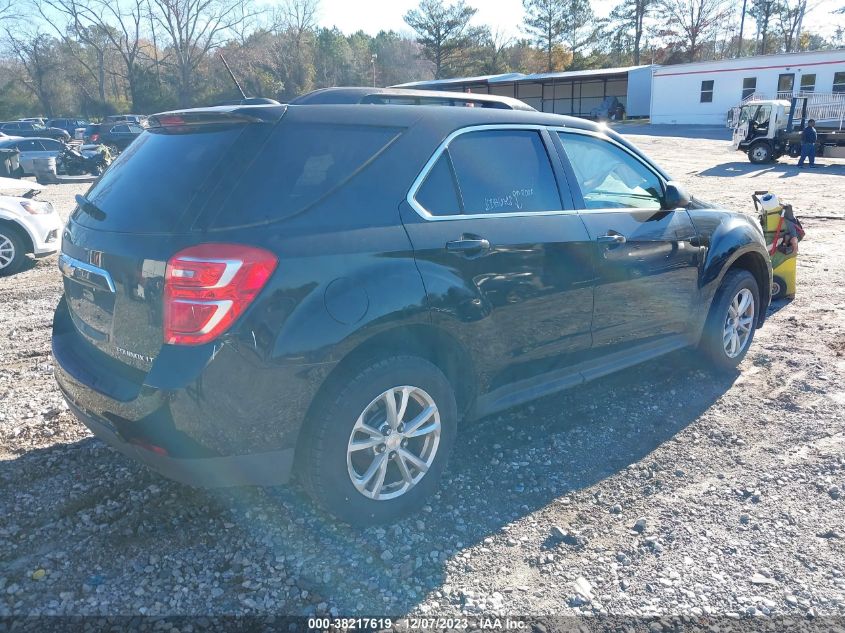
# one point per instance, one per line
(207, 287)
(95, 138)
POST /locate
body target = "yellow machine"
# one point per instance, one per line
(774, 217)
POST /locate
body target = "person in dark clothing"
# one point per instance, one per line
(809, 136)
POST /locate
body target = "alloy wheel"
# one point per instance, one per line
(739, 323)
(393, 443)
(7, 251)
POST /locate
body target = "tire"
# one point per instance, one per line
(12, 252)
(760, 153)
(326, 465)
(778, 288)
(727, 354)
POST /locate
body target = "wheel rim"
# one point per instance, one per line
(760, 153)
(739, 323)
(7, 251)
(394, 443)
(775, 288)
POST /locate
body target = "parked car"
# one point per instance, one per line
(116, 136)
(29, 129)
(30, 149)
(27, 225)
(71, 126)
(332, 290)
(137, 119)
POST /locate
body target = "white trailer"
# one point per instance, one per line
(706, 92)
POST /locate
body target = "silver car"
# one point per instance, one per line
(32, 148)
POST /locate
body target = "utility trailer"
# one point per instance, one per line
(767, 129)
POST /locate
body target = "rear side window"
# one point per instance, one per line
(497, 171)
(300, 165)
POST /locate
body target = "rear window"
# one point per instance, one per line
(301, 164)
(152, 184)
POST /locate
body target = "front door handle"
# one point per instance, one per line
(468, 244)
(611, 238)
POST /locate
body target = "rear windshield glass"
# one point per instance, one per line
(152, 183)
(301, 164)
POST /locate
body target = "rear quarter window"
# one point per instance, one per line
(301, 164)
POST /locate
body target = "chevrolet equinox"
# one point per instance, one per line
(328, 288)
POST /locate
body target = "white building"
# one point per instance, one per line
(704, 92)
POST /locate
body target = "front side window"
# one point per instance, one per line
(119, 129)
(761, 119)
(50, 145)
(749, 86)
(610, 177)
(707, 91)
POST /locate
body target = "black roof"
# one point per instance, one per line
(425, 120)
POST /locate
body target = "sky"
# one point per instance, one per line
(372, 16)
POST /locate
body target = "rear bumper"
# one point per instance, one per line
(262, 469)
(218, 417)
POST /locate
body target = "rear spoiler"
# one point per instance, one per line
(218, 115)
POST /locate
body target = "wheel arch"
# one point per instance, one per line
(20, 231)
(755, 263)
(426, 341)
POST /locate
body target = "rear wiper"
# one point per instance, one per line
(86, 206)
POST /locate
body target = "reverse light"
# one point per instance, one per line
(207, 287)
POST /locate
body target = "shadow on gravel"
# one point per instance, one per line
(787, 170)
(112, 516)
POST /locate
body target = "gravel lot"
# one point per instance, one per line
(659, 491)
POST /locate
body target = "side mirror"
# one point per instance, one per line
(675, 196)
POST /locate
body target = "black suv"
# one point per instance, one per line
(330, 289)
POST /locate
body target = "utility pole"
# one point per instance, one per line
(373, 59)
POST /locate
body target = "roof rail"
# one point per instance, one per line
(402, 96)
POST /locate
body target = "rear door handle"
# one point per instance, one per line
(611, 238)
(468, 244)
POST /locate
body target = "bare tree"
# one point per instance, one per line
(495, 44)
(193, 28)
(297, 17)
(84, 38)
(691, 22)
(35, 52)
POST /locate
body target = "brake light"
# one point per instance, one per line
(207, 287)
(95, 137)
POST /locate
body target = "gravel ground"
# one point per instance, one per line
(662, 490)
